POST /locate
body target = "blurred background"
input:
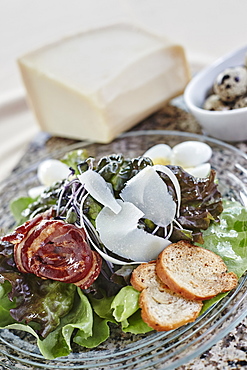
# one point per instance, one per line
(206, 29)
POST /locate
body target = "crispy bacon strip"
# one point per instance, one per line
(53, 249)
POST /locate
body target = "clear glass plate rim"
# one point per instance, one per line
(200, 350)
(126, 135)
(164, 133)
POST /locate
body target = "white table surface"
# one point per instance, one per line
(207, 29)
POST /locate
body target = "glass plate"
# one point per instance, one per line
(164, 350)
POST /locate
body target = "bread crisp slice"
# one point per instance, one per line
(161, 308)
(144, 275)
(194, 272)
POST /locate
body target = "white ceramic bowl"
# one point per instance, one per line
(225, 125)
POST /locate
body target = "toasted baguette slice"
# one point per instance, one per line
(161, 308)
(194, 272)
(144, 276)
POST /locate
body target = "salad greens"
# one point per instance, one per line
(60, 314)
(200, 204)
(228, 238)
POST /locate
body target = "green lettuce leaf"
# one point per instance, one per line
(75, 158)
(46, 200)
(17, 206)
(41, 301)
(36, 300)
(228, 238)
(100, 332)
(102, 307)
(5, 305)
(58, 342)
(135, 325)
(210, 302)
(119, 307)
(125, 303)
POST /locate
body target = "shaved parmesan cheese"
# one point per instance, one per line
(114, 260)
(170, 174)
(124, 238)
(149, 193)
(97, 187)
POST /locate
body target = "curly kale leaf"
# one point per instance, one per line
(91, 209)
(116, 169)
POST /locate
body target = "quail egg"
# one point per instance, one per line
(213, 103)
(231, 83)
(241, 102)
(192, 156)
(36, 191)
(200, 171)
(159, 153)
(51, 171)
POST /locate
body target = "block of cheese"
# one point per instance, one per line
(98, 84)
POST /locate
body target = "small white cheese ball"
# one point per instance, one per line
(241, 103)
(51, 171)
(231, 83)
(213, 102)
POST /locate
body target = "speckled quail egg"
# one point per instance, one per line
(190, 154)
(241, 102)
(231, 83)
(51, 171)
(213, 103)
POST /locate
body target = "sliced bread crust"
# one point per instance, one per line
(161, 308)
(194, 272)
(145, 275)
